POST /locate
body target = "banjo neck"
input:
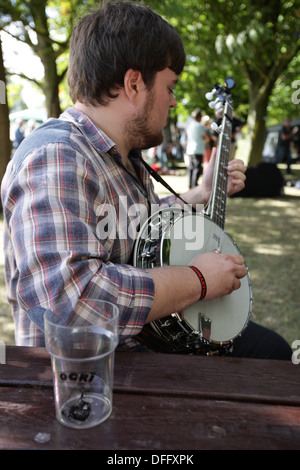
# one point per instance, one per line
(216, 208)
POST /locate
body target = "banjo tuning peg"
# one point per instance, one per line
(210, 95)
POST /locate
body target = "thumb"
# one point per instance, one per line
(213, 154)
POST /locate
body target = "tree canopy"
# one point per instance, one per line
(255, 41)
(45, 26)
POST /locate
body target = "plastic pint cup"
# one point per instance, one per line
(82, 358)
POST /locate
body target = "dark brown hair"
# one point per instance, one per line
(119, 36)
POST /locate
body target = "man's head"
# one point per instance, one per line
(196, 114)
(119, 36)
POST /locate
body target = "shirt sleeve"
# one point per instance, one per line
(60, 257)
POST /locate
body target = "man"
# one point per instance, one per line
(195, 148)
(19, 133)
(69, 193)
(285, 137)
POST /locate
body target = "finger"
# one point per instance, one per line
(213, 157)
(236, 165)
(213, 152)
(236, 175)
(235, 186)
(236, 284)
(237, 259)
(241, 272)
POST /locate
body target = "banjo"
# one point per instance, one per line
(173, 236)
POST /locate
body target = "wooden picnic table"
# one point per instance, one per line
(161, 402)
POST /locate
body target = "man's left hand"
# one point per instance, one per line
(236, 176)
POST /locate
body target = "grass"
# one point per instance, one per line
(268, 234)
(267, 231)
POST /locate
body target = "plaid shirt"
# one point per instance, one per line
(67, 202)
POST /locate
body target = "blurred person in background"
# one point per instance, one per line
(195, 148)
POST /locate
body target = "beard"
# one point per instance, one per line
(139, 131)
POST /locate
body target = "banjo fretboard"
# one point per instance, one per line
(217, 204)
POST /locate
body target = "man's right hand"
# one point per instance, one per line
(178, 287)
(222, 272)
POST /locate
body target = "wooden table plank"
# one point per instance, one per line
(210, 377)
(141, 422)
(246, 380)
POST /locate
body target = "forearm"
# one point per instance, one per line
(176, 288)
(81, 276)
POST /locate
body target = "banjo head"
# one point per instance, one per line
(174, 237)
(220, 320)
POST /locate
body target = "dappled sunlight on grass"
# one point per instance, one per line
(268, 233)
(269, 250)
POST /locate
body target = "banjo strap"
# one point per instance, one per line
(159, 179)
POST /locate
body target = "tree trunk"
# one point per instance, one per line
(259, 95)
(47, 54)
(50, 86)
(5, 143)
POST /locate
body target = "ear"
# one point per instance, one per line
(133, 85)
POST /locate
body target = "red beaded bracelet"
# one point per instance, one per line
(202, 281)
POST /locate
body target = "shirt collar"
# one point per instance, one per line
(100, 141)
(93, 133)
